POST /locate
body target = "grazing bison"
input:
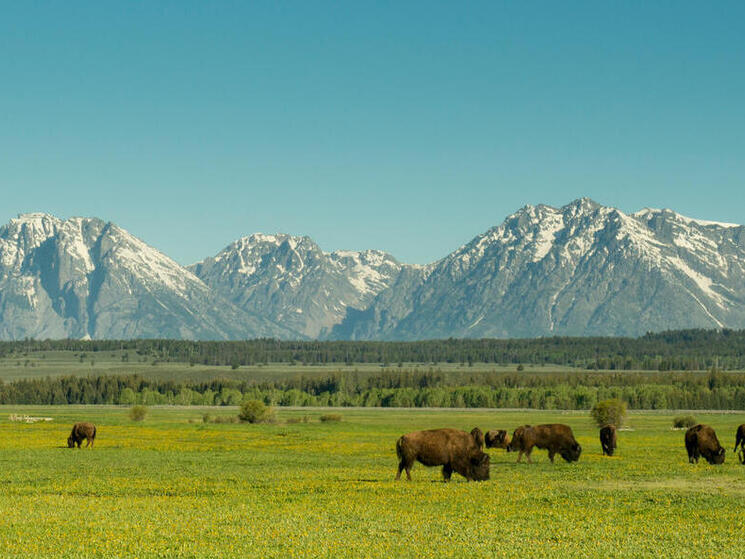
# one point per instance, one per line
(608, 439)
(82, 431)
(497, 438)
(739, 441)
(554, 437)
(454, 450)
(701, 440)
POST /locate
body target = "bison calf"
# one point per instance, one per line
(497, 438)
(80, 431)
(554, 437)
(608, 439)
(701, 440)
(454, 450)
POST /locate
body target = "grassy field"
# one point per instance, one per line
(42, 364)
(175, 487)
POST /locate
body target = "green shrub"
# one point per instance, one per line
(137, 413)
(255, 411)
(609, 412)
(684, 421)
(330, 417)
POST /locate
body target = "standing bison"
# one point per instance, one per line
(497, 438)
(82, 431)
(608, 439)
(454, 450)
(701, 440)
(554, 437)
(739, 441)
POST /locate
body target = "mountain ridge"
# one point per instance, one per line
(580, 269)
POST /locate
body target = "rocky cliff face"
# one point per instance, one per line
(87, 278)
(583, 269)
(293, 282)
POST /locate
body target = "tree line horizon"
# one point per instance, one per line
(675, 350)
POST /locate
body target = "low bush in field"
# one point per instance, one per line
(137, 413)
(330, 417)
(255, 411)
(684, 421)
(611, 412)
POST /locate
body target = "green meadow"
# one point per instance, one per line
(173, 486)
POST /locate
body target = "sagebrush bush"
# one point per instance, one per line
(255, 411)
(684, 421)
(137, 413)
(611, 412)
(330, 417)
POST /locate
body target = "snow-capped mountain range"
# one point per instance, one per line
(583, 269)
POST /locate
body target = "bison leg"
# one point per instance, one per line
(520, 456)
(527, 455)
(403, 464)
(551, 455)
(447, 472)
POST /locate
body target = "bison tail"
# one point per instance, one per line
(399, 450)
(738, 441)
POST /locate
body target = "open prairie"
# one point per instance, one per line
(173, 486)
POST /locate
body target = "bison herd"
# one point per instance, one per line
(461, 452)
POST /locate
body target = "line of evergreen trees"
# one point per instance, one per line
(683, 350)
(713, 390)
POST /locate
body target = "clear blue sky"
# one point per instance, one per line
(405, 126)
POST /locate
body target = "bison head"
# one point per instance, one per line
(571, 454)
(70, 442)
(497, 439)
(516, 442)
(478, 436)
(480, 466)
(717, 457)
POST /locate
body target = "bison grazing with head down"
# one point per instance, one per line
(454, 450)
(82, 431)
(497, 438)
(701, 440)
(608, 439)
(740, 441)
(554, 437)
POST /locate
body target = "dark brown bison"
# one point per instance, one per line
(740, 441)
(454, 450)
(554, 437)
(497, 438)
(608, 439)
(80, 431)
(701, 440)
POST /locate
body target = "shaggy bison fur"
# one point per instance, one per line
(454, 450)
(608, 439)
(80, 431)
(554, 437)
(497, 438)
(701, 440)
(740, 441)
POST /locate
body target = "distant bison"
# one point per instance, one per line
(608, 439)
(82, 431)
(701, 440)
(497, 438)
(740, 441)
(554, 437)
(454, 450)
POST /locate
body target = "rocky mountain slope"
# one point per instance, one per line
(583, 269)
(84, 278)
(293, 282)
